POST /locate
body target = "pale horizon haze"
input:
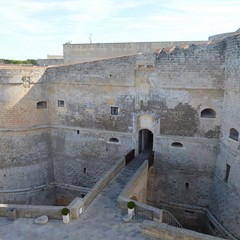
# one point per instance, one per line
(32, 29)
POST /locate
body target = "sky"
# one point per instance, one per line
(32, 29)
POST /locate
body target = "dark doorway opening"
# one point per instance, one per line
(145, 140)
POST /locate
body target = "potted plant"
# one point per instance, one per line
(65, 214)
(131, 206)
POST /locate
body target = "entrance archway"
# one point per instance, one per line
(145, 140)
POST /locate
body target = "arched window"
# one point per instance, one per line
(42, 104)
(234, 134)
(208, 113)
(115, 140)
(177, 144)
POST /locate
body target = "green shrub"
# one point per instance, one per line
(12, 61)
(65, 211)
(131, 205)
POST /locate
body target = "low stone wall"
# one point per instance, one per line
(31, 211)
(166, 232)
(134, 188)
(137, 186)
(79, 205)
(49, 62)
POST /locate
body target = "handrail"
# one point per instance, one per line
(170, 219)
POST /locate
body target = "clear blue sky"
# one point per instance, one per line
(35, 28)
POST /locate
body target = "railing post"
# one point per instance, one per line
(161, 216)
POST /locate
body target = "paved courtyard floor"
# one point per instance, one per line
(103, 220)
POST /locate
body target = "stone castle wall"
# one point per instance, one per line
(76, 138)
(25, 147)
(224, 201)
(74, 53)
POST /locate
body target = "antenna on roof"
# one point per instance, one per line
(90, 37)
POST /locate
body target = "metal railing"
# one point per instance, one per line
(141, 215)
(170, 219)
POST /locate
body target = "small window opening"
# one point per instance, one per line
(114, 111)
(234, 134)
(60, 103)
(208, 113)
(186, 185)
(189, 211)
(149, 66)
(115, 140)
(42, 104)
(110, 75)
(177, 144)
(140, 66)
(228, 167)
(84, 170)
(78, 131)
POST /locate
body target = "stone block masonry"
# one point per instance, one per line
(69, 124)
(74, 53)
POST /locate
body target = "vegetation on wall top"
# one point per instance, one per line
(11, 61)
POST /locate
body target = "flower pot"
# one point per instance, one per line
(130, 211)
(66, 218)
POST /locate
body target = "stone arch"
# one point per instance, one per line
(177, 144)
(208, 113)
(113, 140)
(42, 104)
(134, 198)
(145, 129)
(233, 134)
(145, 140)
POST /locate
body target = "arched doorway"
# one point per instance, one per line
(145, 140)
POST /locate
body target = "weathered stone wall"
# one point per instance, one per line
(182, 175)
(25, 147)
(74, 53)
(186, 81)
(76, 138)
(21, 90)
(89, 90)
(84, 126)
(81, 159)
(182, 83)
(49, 62)
(225, 194)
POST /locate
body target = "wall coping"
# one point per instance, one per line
(167, 232)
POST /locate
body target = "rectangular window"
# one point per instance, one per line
(149, 66)
(60, 103)
(114, 111)
(228, 167)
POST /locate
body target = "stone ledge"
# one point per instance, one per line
(167, 232)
